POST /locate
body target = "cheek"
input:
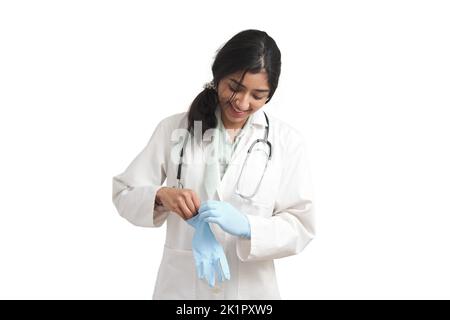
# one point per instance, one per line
(258, 104)
(225, 96)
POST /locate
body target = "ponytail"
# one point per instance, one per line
(203, 109)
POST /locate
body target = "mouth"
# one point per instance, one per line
(236, 112)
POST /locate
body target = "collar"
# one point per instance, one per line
(259, 118)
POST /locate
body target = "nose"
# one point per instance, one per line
(243, 103)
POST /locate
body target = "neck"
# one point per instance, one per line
(233, 126)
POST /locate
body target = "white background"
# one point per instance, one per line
(83, 84)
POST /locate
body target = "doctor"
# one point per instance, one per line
(240, 188)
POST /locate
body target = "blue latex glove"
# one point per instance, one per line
(210, 260)
(226, 216)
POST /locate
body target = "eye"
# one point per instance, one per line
(237, 90)
(233, 89)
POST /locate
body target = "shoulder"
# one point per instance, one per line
(168, 127)
(169, 124)
(288, 144)
(286, 134)
(175, 121)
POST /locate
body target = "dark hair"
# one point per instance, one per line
(248, 51)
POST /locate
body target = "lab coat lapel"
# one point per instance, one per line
(212, 170)
(228, 184)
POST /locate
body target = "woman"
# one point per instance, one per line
(229, 212)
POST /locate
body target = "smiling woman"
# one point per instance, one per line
(244, 205)
(245, 72)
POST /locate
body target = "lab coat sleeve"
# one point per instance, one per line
(291, 227)
(134, 190)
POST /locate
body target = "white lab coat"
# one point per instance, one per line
(280, 215)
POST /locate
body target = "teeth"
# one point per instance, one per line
(236, 110)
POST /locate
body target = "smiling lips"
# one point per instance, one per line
(236, 112)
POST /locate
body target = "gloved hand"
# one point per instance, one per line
(226, 216)
(210, 260)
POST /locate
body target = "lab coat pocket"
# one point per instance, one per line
(256, 208)
(258, 280)
(176, 275)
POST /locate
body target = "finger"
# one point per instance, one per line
(196, 201)
(212, 220)
(212, 277)
(207, 273)
(203, 207)
(224, 266)
(207, 214)
(197, 268)
(178, 210)
(200, 270)
(207, 205)
(190, 205)
(185, 210)
(218, 270)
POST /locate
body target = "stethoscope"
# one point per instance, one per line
(238, 185)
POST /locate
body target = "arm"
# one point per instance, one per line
(291, 226)
(135, 190)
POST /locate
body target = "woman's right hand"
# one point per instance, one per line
(183, 202)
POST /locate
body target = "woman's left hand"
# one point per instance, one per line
(226, 216)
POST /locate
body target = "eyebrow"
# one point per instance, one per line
(241, 85)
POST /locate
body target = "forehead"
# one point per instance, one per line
(252, 80)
